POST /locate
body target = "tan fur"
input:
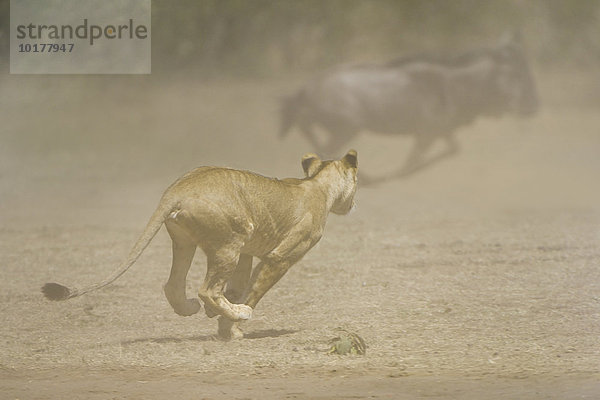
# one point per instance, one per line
(234, 216)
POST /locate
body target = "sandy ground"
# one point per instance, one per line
(476, 278)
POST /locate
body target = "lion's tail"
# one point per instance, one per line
(57, 292)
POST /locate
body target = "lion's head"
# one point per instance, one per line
(344, 171)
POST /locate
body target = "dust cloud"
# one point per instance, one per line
(463, 276)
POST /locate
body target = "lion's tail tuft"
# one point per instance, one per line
(56, 292)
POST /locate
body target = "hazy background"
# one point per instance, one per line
(263, 37)
(266, 37)
(485, 264)
(219, 68)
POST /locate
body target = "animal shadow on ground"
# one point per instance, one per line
(260, 334)
(170, 339)
(273, 333)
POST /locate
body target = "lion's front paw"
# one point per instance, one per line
(221, 306)
(243, 311)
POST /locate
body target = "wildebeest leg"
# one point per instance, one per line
(183, 253)
(419, 163)
(229, 329)
(452, 146)
(310, 134)
(415, 158)
(413, 163)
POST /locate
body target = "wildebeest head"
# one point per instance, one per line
(513, 79)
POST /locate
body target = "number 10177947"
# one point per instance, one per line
(46, 47)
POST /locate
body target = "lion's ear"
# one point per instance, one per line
(310, 164)
(351, 159)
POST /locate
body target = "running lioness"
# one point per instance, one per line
(233, 216)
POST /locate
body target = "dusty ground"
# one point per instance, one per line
(476, 278)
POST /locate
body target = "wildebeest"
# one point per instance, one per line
(427, 96)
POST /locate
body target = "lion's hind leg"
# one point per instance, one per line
(183, 253)
(220, 268)
(240, 278)
(236, 286)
